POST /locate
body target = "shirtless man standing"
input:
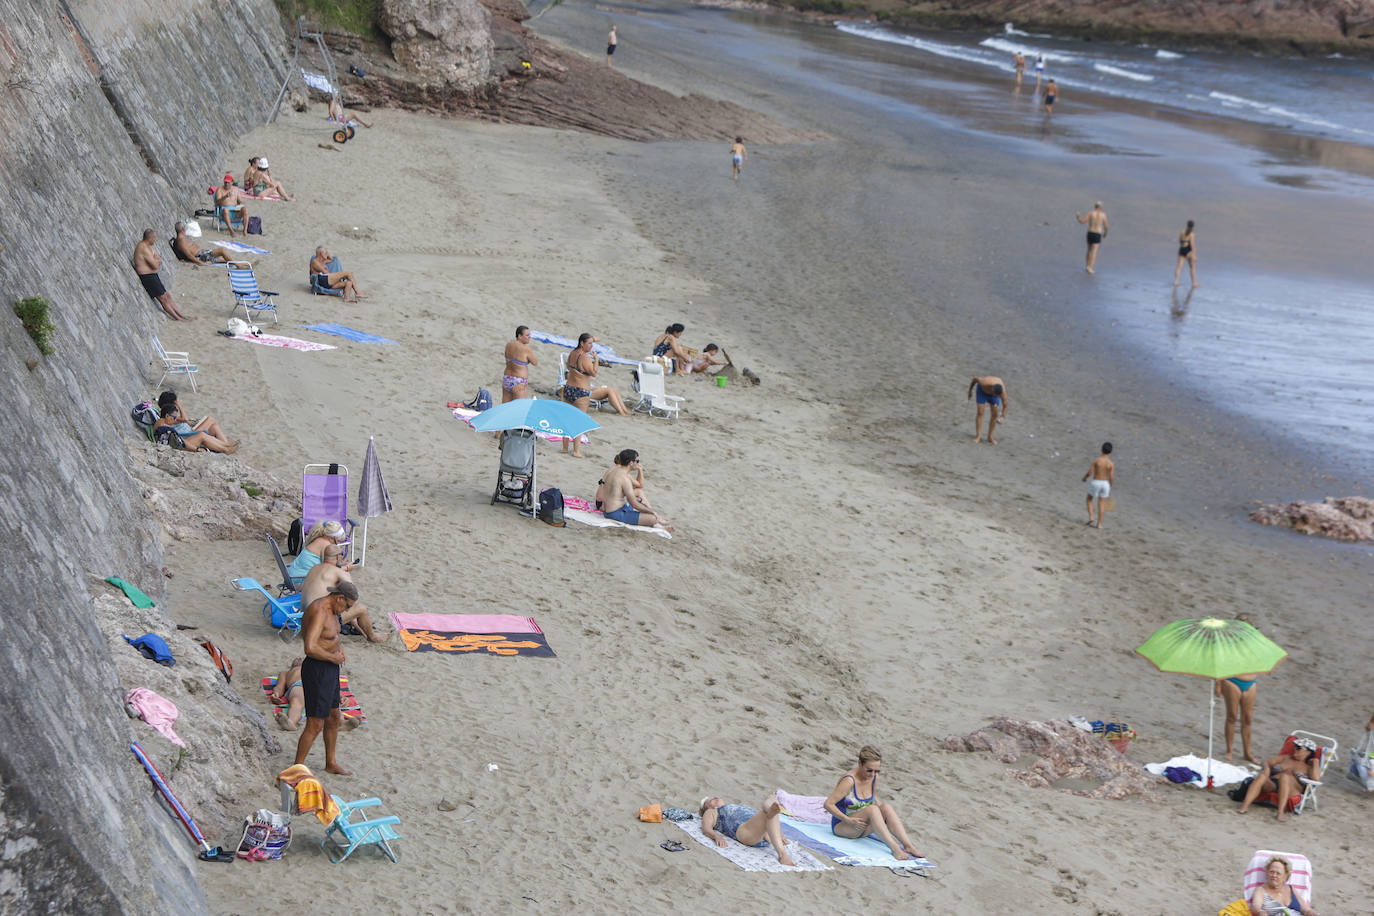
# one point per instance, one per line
(1097, 231)
(515, 383)
(738, 156)
(1051, 94)
(320, 673)
(990, 391)
(611, 42)
(226, 196)
(1103, 474)
(197, 255)
(147, 263)
(339, 279)
(330, 573)
(1020, 64)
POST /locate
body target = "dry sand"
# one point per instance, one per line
(848, 568)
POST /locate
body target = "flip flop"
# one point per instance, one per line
(673, 846)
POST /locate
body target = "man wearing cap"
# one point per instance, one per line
(329, 573)
(192, 252)
(147, 263)
(320, 673)
(228, 196)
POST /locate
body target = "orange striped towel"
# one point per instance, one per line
(310, 794)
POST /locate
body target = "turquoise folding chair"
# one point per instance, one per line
(244, 285)
(282, 614)
(319, 283)
(346, 835)
(229, 216)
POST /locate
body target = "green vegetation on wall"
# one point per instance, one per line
(33, 312)
(356, 16)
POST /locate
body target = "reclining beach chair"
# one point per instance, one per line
(243, 283)
(174, 362)
(1326, 752)
(563, 381)
(229, 216)
(287, 586)
(282, 614)
(346, 835)
(515, 478)
(1300, 881)
(653, 399)
(324, 498)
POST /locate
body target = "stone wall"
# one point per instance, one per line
(108, 126)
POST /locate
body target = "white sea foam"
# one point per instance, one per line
(1011, 47)
(1236, 101)
(1128, 74)
(911, 41)
(1167, 55)
(1010, 29)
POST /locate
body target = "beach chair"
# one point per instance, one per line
(319, 283)
(653, 399)
(563, 381)
(515, 478)
(347, 835)
(282, 614)
(287, 586)
(324, 498)
(174, 362)
(243, 283)
(229, 216)
(1326, 752)
(1300, 880)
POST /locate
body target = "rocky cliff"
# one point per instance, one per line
(114, 113)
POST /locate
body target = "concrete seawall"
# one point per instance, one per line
(115, 114)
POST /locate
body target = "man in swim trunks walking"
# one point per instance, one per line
(1020, 64)
(320, 674)
(738, 155)
(1051, 94)
(992, 392)
(611, 42)
(147, 263)
(1103, 474)
(515, 382)
(1097, 231)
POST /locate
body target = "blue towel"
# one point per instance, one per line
(602, 351)
(347, 333)
(154, 647)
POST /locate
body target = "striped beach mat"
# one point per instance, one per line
(348, 703)
(241, 247)
(867, 851)
(487, 634)
(347, 333)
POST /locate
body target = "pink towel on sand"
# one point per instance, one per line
(805, 807)
(290, 343)
(577, 502)
(157, 711)
(465, 623)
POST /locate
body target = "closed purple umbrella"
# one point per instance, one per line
(373, 499)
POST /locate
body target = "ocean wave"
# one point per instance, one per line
(911, 41)
(1011, 47)
(1128, 74)
(1236, 101)
(1009, 29)
(1167, 55)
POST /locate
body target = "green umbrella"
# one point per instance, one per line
(1211, 648)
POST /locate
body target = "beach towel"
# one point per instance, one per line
(753, 858)
(133, 594)
(865, 852)
(467, 413)
(289, 343)
(810, 808)
(603, 352)
(240, 247)
(157, 711)
(348, 333)
(348, 703)
(597, 520)
(1223, 773)
(317, 81)
(577, 502)
(492, 634)
(310, 796)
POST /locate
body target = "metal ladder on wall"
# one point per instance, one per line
(305, 31)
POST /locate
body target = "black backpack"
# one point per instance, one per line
(551, 507)
(480, 401)
(294, 538)
(254, 226)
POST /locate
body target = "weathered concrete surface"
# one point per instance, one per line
(105, 130)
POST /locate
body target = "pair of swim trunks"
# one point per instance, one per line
(152, 285)
(1099, 488)
(610, 49)
(737, 159)
(320, 682)
(204, 256)
(625, 513)
(985, 398)
(1094, 238)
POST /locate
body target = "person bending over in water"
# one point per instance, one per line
(1097, 231)
(1187, 251)
(1282, 774)
(991, 392)
(738, 156)
(618, 499)
(743, 823)
(856, 812)
(515, 382)
(580, 389)
(289, 691)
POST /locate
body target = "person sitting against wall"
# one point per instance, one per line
(188, 250)
(320, 536)
(190, 438)
(228, 197)
(257, 179)
(206, 424)
(320, 270)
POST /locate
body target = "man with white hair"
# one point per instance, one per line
(188, 250)
(334, 279)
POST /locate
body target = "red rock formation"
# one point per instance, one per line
(1345, 518)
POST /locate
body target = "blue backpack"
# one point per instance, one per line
(551, 507)
(480, 402)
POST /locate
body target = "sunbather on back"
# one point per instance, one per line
(288, 691)
(192, 252)
(745, 825)
(329, 573)
(618, 500)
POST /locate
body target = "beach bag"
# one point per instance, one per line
(166, 435)
(295, 538)
(266, 835)
(1362, 763)
(1238, 793)
(255, 225)
(225, 666)
(145, 417)
(651, 814)
(480, 401)
(551, 507)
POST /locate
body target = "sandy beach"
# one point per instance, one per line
(848, 568)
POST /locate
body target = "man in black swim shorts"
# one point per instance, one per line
(320, 672)
(610, 45)
(1097, 231)
(147, 263)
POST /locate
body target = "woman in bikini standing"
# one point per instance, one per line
(515, 382)
(579, 390)
(1239, 693)
(1187, 251)
(856, 812)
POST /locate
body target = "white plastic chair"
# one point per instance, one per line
(653, 399)
(175, 363)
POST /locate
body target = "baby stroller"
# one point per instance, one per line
(515, 479)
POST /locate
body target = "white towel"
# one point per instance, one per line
(754, 858)
(597, 520)
(866, 851)
(317, 81)
(1223, 773)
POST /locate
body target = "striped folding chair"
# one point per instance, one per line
(244, 284)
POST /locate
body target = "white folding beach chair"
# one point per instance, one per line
(653, 399)
(174, 363)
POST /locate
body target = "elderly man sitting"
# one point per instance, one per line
(329, 574)
(229, 198)
(322, 271)
(188, 250)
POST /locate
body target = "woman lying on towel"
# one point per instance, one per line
(856, 812)
(743, 823)
(617, 498)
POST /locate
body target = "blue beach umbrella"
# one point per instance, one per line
(554, 418)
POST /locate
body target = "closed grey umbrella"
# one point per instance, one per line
(373, 499)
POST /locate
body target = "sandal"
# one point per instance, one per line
(673, 846)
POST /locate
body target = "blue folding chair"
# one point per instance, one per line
(244, 284)
(282, 614)
(346, 835)
(229, 216)
(319, 283)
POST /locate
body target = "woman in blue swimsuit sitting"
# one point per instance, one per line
(1239, 693)
(856, 812)
(743, 823)
(667, 346)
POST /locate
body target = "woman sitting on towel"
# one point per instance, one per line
(320, 536)
(743, 823)
(258, 179)
(617, 499)
(856, 812)
(667, 346)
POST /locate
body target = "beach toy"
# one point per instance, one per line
(721, 381)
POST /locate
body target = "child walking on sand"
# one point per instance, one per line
(1103, 474)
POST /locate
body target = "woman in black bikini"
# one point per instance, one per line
(1187, 251)
(581, 388)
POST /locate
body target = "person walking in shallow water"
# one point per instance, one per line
(611, 42)
(1051, 94)
(1020, 64)
(738, 156)
(1187, 251)
(1097, 231)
